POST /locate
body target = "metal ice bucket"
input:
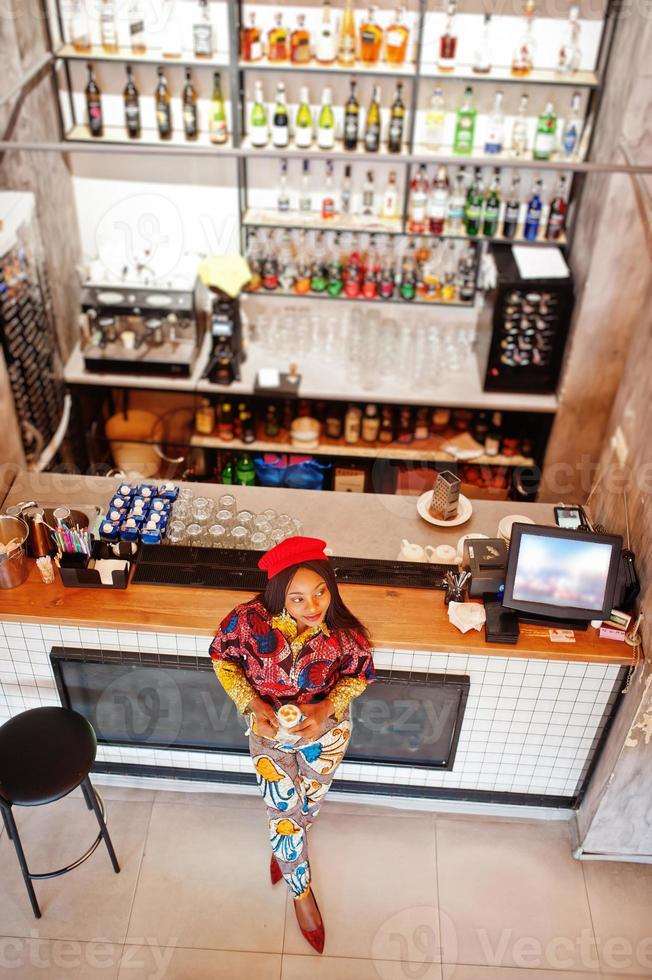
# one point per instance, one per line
(13, 563)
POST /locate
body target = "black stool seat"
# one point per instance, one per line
(45, 753)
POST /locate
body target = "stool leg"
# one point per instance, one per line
(87, 798)
(6, 822)
(12, 830)
(103, 830)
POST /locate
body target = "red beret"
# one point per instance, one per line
(292, 551)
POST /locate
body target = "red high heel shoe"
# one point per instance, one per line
(275, 872)
(316, 936)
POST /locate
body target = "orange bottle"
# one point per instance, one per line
(300, 42)
(277, 41)
(371, 39)
(396, 39)
(346, 45)
(251, 45)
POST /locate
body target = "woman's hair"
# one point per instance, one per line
(338, 616)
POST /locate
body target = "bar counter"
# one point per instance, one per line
(531, 719)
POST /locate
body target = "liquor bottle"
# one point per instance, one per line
(305, 198)
(407, 281)
(435, 120)
(217, 119)
(280, 119)
(492, 439)
(570, 135)
(227, 475)
(136, 23)
(371, 39)
(245, 471)
(473, 205)
(369, 195)
(351, 119)
(438, 202)
(524, 52)
(448, 41)
(544, 138)
(190, 122)
(94, 104)
(328, 200)
(270, 273)
(326, 122)
(533, 213)
(386, 281)
(303, 120)
(163, 108)
(79, 31)
(108, 27)
(421, 424)
(171, 40)
(326, 43)
(345, 195)
(132, 106)
(520, 127)
(570, 55)
(202, 32)
(405, 425)
(396, 39)
(251, 45)
(283, 197)
(372, 124)
(465, 125)
(205, 417)
(333, 422)
(418, 202)
(396, 121)
(258, 128)
(389, 205)
(370, 424)
(346, 42)
(335, 281)
(278, 48)
(352, 425)
(386, 431)
(457, 202)
(557, 215)
(496, 127)
(288, 270)
(272, 424)
(300, 42)
(246, 420)
(482, 56)
(491, 207)
(512, 210)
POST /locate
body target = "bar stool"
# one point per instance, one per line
(45, 753)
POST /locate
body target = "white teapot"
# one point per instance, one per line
(414, 552)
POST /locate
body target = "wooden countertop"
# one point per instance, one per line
(398, 619)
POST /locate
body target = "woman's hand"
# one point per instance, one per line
(316, 714)
(265, 721)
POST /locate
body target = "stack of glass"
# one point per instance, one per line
(198, 520)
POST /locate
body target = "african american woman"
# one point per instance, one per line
(295, 644)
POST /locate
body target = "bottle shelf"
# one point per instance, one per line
(338, 152)
(504, 159)
(360, 68)
(503, 74)
(378, 300)
(148, 137)
(420, 450)
(150, 57)
(312, 221)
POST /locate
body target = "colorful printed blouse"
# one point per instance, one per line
(257, 654)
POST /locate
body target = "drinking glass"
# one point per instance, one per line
(284, 523)
(276, 536)
(224, 517)
(217, 535)
(185, 495)
(202, 509)
(261, 524)
(245, 518)
(195, 534)
(240, 536)
(227, 502)
(259, 541)
(176, 532)
(269, 514)
(298, 526)
(181, 511)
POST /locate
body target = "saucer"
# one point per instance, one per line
(464, 511)
(505, 526)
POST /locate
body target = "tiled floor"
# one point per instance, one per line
(405, 894)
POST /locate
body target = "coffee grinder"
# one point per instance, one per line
(227, 354)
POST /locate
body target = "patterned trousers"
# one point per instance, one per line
(293, 780)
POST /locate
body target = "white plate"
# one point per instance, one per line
(464, 511)
(505, 526)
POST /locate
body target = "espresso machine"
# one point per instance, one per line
(152, 330)
(227, 354)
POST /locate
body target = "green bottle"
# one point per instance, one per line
(217, 119)
(227, 473)
(303, 121)
(491, 207)
(245, 472)
(258, 127)
(544, 139)
(465, 124)
(473, 205)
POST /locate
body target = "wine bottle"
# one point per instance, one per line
(465, 124)
(163, 109)
(280, 119)
(396, 121)
(346, 43)
(132, 106)
(512, 210)
(258, 128)
(94, 105)
(326, 43)
(351, 119)
(473, 206)
(326, 122)
(202, 32)
(303, 121)
(491, 207)
(217, 120)
(190, 122)
(372, 125)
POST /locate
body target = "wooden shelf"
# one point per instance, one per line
(424, 450)
(151, 57)
(148, 137)
(381, 68)
(503, 74)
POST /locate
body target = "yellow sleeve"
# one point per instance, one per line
(345, 691)
(232, 678)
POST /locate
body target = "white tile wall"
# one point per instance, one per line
(530, 726)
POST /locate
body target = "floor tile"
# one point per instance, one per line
(252, 801)
(58, 959)
(204, 881)
(89, 903)
(342, 968)
(376, 885)
(620, 897)
(128, 794)
(513, 896)
(460, 972)
(151, 962)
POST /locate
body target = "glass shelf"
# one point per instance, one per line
(154, 57)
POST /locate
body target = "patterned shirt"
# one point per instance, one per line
(257, 654)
